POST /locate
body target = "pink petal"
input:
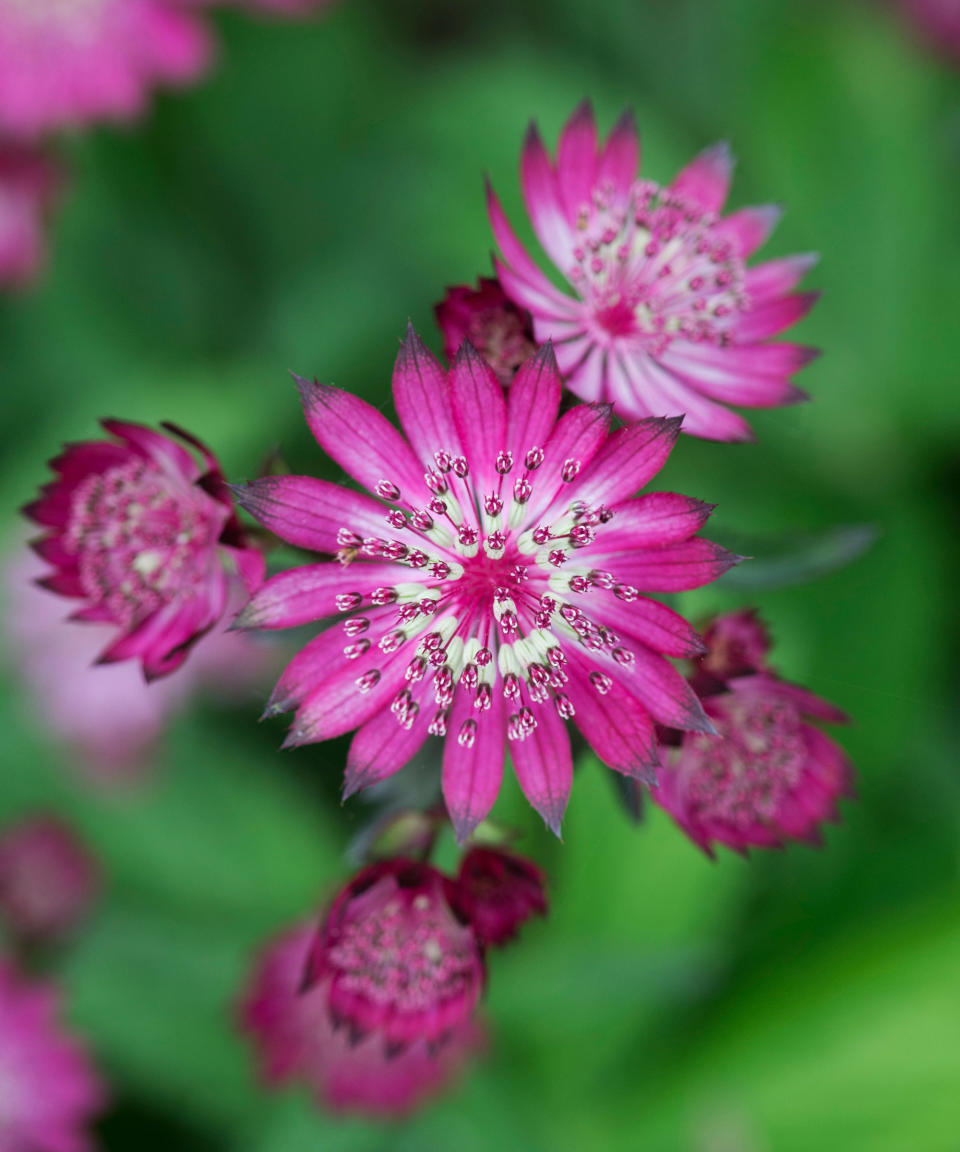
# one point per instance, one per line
(728, 380)
(777, 277)
(533, 401)
(479, 413)
(706, 179)
(77, 461)
(517, 257)
(421, 394)
(337, 705)
(773, 316)
(165, 452)
(473, 755)
(577, 160)
(661, 388)
(582, 363)
(664, 693)
(648, 521)
(309, 667)
(362, 440)
(544, 766)
(630, 458)
(616, 725)
(577, 435)
(542, 195)
(620, 161)
(301, 595)
(650, 622)
(674, 568)
(750, 228)
(800, 698)
(309, 513)
(382, 746)
(545, 302)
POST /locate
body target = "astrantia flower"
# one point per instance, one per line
(48, 879)
(48, 1088)
(661, 315)
(67, 63)
(500, 331)
(147, 537)
(374, 1012)
(498, 590)
(768, 774)
(498, 892)
(28, 183)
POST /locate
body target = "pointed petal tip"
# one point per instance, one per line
(464, 824)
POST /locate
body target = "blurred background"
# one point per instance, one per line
(322, 186)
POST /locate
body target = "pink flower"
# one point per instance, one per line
(28, 184)
(147, 538)
(767, 774)
(49, 1088)
(48, 879)
(498, 590)
(69, 63)
(374, 1012)
(498, 892)
(500, 331)
(664, 316)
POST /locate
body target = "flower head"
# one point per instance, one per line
(662, 316)
(68, 63)
(500, 331)
(28, 185)
(496, 588)
(498, 892)
(767, 774)
(147, 538)
(48, 879)
(49, 1088)
(374, 1011)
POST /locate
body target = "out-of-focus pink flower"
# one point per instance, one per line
(147, 538)
(737, 643)
(48, 879)
(376, 1011)
(50, 1090)
(28, 183)
(69, 63)
(662, 316)
(500, 331)
(768, 774)
(937, 23)
(107, 714)
(499, 589)
(498, 892)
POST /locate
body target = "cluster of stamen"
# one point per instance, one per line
(747, 771)
(407, 954)
(139, 543)
(653, 270)
(487, 605)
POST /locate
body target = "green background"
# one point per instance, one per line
(323, 186)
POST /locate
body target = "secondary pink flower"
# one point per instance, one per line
(48, 879)
(662, 316)
(28, 184)
(500, 331)
(768, 774)
(498, 590)
(498, 892)
(147, 537)
(107, 715)
(49, 1088)
(374, 1012)
(68, 63)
